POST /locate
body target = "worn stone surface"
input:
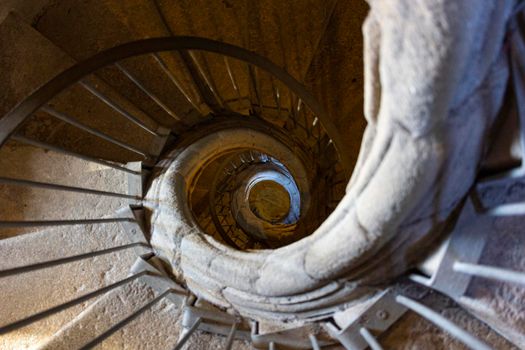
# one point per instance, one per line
(158, 328)
(28, 10)
(458, 89)
(501, 305)
(257, 26)
(20, 45)
(273, 29)
(21, 161)
(36, 291)
(413, 332)
(109, 310)
(19, 75)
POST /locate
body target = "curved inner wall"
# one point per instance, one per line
(248, 190)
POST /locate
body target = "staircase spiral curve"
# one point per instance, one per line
(234, 213)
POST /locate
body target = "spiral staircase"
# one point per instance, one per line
(139, 136)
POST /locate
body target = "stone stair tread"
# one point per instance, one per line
(114, 307)
(57, 242)
(20, 44)
(412, 331)
(110, 19)
(22, 161)
(501, 305)
(153, 19)
(158, 327)
(46, 204)
(39, 290)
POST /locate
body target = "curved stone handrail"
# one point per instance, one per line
(435, 77)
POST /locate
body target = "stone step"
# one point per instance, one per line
(103, 25)
(26, 162)
(412, 331)
(26, 293)
(158, 326)
(20, 44)
(42, 268)
(253, 26)
(155, 328)
(33, 278)
(501, 305)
